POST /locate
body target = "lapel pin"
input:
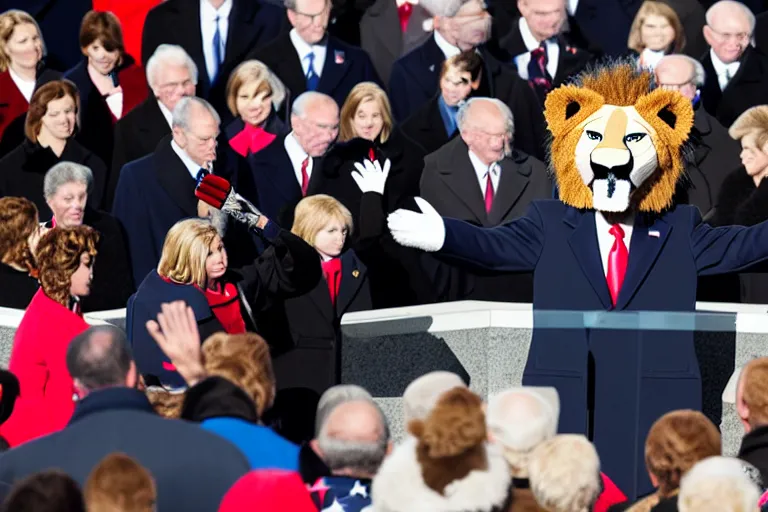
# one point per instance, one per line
(432, 68)
(338, 57)
(654, 234)
(355, 274)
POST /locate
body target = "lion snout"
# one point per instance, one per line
(605, 161)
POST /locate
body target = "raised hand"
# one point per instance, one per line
(425, 231)
(176, 333)
(370, 177)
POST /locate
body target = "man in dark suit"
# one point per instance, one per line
(414, 79)
(308, 59)
(172, 75)
(158, 190)
(113, 416)
(737, 74)
(605, 23)
(217, 34)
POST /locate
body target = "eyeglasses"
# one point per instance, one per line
(172, 86)
(310, 18)
(674, 87)
(739, 37)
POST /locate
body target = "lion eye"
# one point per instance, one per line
(634, 137)
(594, 135)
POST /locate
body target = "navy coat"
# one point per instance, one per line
(636, 375)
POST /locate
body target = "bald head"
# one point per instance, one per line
(728, 30)
(315, 122)
(359, 420)
(680, 73)
(486, 126)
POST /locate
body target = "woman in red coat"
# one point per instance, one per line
(65, 258)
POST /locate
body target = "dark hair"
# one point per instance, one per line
(47, 491)
(103, 27)
(469, 61)
(38, 104)
(98, 362)
(18, 220)
(58, 257)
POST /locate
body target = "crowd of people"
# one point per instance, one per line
(324, 117)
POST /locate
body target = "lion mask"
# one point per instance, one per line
(617, 143)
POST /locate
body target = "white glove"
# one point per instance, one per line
(425, 231)
(370, 177)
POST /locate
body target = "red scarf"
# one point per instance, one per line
(225, 305)
(251, 139)
(332, 273)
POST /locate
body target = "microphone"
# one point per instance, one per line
(219, 193)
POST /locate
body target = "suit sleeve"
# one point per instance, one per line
(726, 249)
(512, 247)
(132, 214)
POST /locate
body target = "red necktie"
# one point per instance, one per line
(488, 192)
(617, 262)
(304, 176)
(332, 273)
(371, 155)
(404, 12)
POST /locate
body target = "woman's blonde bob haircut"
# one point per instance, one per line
(652, 8)
(9, 20)
(361, 93)
(185, 250)
(252, 71)
(752, 121)
(313, 213)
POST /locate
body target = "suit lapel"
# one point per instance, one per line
(335, 67)
(432, 58)
(189, 28)
(648, 238)
(241, 31)
(155, 127)
(571, 61)
(585, 247)
(513, 181)
(322, 300)
(282, 174)
(289, 67)
(459, 175)
(175, 179)
(352, 276)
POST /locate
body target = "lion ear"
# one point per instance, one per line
(669, 112)
(568, 106)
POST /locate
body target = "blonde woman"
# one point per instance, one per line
(194, 268)
(656, 31)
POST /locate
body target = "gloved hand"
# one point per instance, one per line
(425, 231)
(370, 177)
(241, 210)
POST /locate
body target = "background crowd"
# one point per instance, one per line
(324, 116)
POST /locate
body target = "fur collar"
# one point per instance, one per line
(399, 486)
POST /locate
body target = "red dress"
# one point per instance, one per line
(12, 103)
(38, 360)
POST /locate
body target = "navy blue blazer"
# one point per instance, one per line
(638, 375)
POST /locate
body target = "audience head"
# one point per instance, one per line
(676, 442)
(20, 233)
(464, 23)
(656, 27)
(486, 125)
(244, 360)
(751, 128)
(680, 73)
(366, 113)
(46, 491)
(21, 42)
(166, 403)
(565, 474)
(100, 358)
(253, 92)
(310, 19)
(65, 258)
(315, 122)
(196, 129)
(729, 29)
(718, 484)
(193, 253)
(120, 484)
(324, 223)
(421, 395)
(52, 113)
(65, 188)
(172, 75)
(268, 490)
(460, 77)
(545, 18)
(101, 41)
(337, 395)
(520, 419)
(752, 394)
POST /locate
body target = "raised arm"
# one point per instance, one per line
(728, 248)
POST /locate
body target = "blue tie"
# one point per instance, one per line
(312, 78)
(217, 51)
(202, 173)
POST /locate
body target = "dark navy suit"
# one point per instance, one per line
(638, 375)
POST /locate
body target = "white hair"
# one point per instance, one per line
(63, 173)
(305, 99)
(169, 55)
(464, 112)
(421, 395)
(183, 109)
(712, 12)
(335, 396)
(442, 8)
(718, 484)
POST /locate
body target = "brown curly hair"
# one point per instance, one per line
(18, 220)
(243, 359)
(58, 257)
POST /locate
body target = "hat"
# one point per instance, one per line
(9, 392)
(268, 491)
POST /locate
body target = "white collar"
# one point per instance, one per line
(208, 12)
(167, 114)
(721, 66)
(295, 152)
(650, 58)
(447, 48)
(529, 40)
(26, 87)
(480, 168)
(190, 164)
(303, 47)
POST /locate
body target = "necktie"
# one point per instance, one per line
(304, 176)
(217, 51)
(538, 76)
(488, 191)
(728, 77)
(312, 78)
(332, 273)
(371, 155)
(617, 262)
(202, 173)
(404, 13)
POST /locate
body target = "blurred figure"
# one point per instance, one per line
(421, 395)
(110, 82)
(66, 188)
(656, 32)
(718, 484)
(49, 127)
(268, 490)
(65, 260)
(120, 484)
(20, 232)
(131, 15)
(47, 491)
(752, 407)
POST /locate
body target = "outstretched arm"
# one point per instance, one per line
(728, 248)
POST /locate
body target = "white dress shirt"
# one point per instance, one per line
(721, 68)
(571, 6)
(190, 164)
(482, 170)
(167, 114)
(297, 155)
(26, 88)
(303, 49)
(447, 48)
(208, 28)
(522, 60)
(605, 239)
(650, 58)
(115, 104)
